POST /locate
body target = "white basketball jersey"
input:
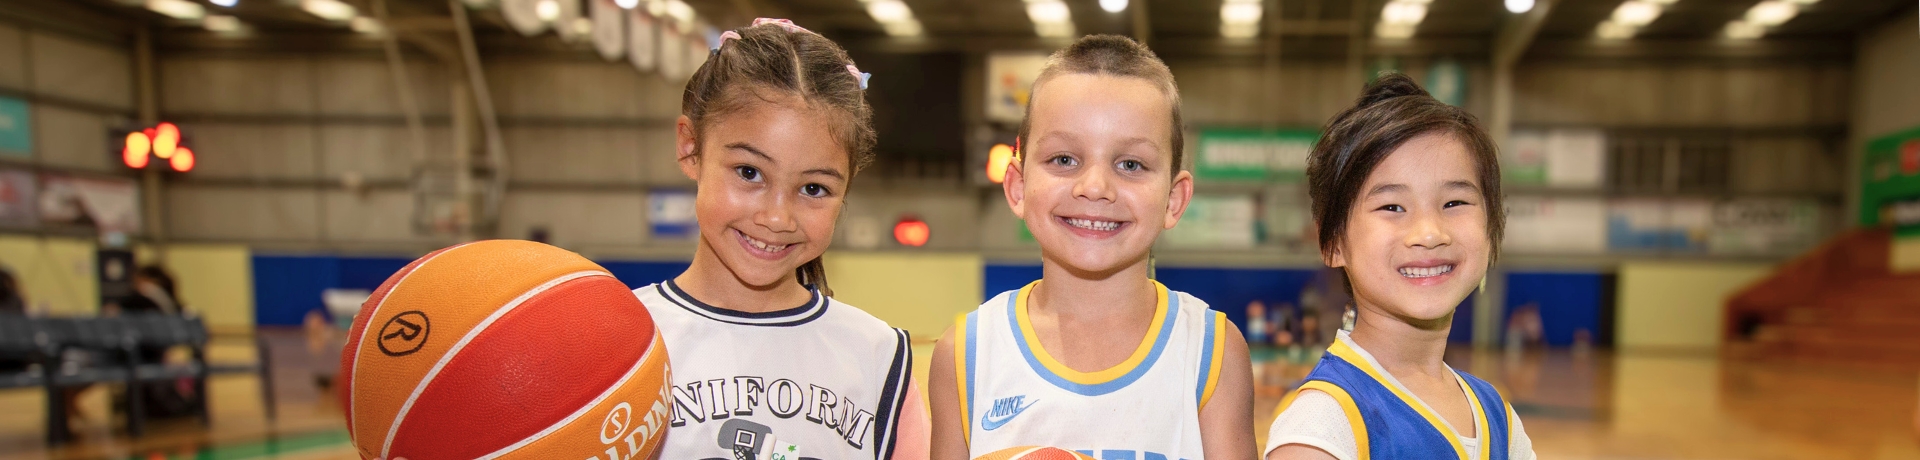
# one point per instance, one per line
(1148, 407)
(822, 380)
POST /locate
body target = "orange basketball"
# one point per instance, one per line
(1034, 453)
(504, 349)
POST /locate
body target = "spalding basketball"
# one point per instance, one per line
(504, 349)
(1034, 453)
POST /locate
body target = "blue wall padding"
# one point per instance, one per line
(1462, 331)
(368, 272)
(1231, 289)
(1569, 302)
(286, 287)
(1225, 289)
(1002, 278)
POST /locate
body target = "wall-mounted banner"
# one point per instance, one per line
(1285, 215)
(111, 205)
(524, 16)
(1890, 180)
(1764, 226)
(1654, 225)
(1553, 225)
(673, 55)
(697, 52)
(1009, 78)
(670, 214)
(1253, 155)
(1560, 158)
(642, 52)
(1217, 222)
(19, 191)
(1447, 81)
(609, 29)
(16, 128)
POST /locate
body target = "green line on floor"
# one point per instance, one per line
(267, 448)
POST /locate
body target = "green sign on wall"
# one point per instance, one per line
(1253, 155)
(16, 128)
(1890, 181)
(1447, 81)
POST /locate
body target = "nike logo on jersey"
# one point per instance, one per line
(1004, 410)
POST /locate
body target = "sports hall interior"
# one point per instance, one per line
(1712, 251)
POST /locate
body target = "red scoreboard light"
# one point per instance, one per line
(182, 160)
(138, 148)
(912, 231)
(998, 158)
(166, 139)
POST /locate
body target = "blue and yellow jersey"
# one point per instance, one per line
(1389, 422)
(1015, 393)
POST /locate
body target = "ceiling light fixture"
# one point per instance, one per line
(1394, 31)
(1772, 13)
(221, 23)
(1742, 30)
(1402, 12)
(895, 17)
(681, 11)
(366, 25)
(889, 11)
(331, 10)
(1051, 18)
(547, 10)
(178, 9)
(1048, 11)
(1399, 19)
(1113, 6)
(903, 28)
(1611, 30)
(1240, 18)
(1519, 6)
(1636, 13)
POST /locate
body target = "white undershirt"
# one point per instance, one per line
(1316, 420)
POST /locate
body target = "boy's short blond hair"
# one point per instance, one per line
(1117, 56)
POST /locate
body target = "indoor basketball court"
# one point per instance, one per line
(1711, 250)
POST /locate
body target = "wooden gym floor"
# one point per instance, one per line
(1595, 405)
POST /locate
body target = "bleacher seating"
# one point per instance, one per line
(1839, 303)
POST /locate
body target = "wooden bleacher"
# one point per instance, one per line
(1838, 303)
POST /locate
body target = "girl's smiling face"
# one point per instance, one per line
(1416, 241)
(771, 181)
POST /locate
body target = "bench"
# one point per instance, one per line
(118, 340)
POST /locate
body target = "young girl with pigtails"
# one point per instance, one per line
(765, 363)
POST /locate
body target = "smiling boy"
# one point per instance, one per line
(1096, 356)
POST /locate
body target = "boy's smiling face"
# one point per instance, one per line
(1416, 241)
(1095, 181)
